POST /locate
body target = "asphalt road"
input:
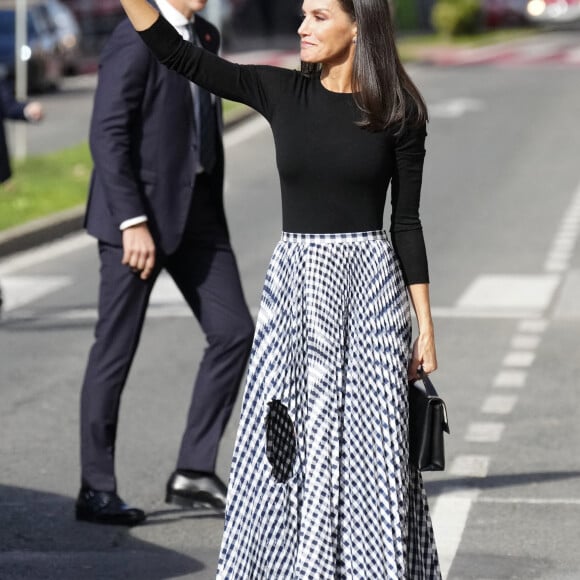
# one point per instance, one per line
(501, 213)
(67, 117)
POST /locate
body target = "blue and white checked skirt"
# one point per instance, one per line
(320, 486)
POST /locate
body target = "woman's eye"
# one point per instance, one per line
(317, 17)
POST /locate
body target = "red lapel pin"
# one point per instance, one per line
(207, 37)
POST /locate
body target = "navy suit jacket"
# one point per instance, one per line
(10, 108)
(142, 141)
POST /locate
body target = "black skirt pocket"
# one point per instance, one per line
(280, 441)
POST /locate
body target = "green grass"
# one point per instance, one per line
(45, 184)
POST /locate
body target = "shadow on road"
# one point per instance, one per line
(435, 488)
(40, 539)
(52, 318)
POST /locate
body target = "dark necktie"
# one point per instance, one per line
(207, 130)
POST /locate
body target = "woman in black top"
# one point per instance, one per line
(320, 485)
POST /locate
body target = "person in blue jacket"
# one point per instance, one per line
(11, 108)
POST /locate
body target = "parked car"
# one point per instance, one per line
(42, 52)
(504, 13)
(97, 19)
(553, 11)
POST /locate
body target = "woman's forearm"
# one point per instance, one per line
(423, 354)
(421, 304)
(141, 14)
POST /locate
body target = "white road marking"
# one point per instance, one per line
(166, 293)
(531, 500)
(166, 300)
(454, 108)
(470, 466)
(525, 342)
(510, 378)
(44, 253)
(519, 358)
(538, 326)
(564, 241)
(503, 313)
(568, 306)
(20, 290)
(449, 517)
(556, 266)
(510, 292)
(507, 294)
(499, 404)
(484, 432)
(154, 311)
(451, 510)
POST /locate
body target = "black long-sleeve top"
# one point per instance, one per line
(334, 175)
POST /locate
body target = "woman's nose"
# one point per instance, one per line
(302, 29)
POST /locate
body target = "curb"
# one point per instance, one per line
(41, 231)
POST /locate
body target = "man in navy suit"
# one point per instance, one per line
(156, 202)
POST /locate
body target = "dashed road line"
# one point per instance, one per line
(510, 379)
(519, 358)
(484, 432)
(564, 242)
(470, 466)
(452, 508)
(525, 342)
(533, 326)
(499, 404)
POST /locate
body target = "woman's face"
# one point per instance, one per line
(326, 33)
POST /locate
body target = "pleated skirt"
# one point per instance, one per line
(320, 486)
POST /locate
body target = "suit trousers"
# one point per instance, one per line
(206, 273)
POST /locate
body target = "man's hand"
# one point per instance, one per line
(139, 250)
(34, 111)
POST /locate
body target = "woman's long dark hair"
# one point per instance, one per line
(383, 90)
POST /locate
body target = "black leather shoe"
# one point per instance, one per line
(106, 507)
(193, 491)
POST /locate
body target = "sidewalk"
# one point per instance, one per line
(540, 48)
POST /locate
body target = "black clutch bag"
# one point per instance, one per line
(427, 423)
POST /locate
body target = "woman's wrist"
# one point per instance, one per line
(426, 326)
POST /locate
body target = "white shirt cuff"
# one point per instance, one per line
(133, 222)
